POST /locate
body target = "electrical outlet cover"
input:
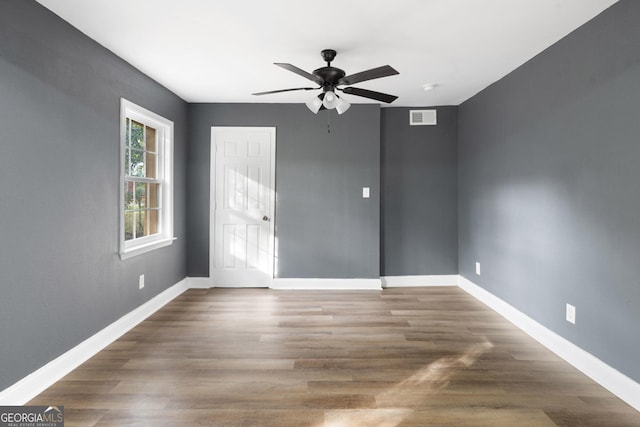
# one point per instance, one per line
(571, 314)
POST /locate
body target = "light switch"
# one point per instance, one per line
(365, 192)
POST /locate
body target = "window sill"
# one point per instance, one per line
(148, 247)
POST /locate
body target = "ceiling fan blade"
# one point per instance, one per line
(285, 90)
(374, 73)
(378, 96)
(300, 72)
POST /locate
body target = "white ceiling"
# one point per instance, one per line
(222, 51)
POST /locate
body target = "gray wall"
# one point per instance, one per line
(419, 212)
(61, 279)
(323, 226)
(549, 196)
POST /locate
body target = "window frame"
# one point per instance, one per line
(164, 148)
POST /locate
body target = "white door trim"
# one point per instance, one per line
(212, 196)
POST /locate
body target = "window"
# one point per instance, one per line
(146, 202)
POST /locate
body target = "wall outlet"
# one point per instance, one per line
(478, 268)
(141, 281)
(365, 192)
(571, 314)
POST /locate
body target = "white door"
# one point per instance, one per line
(242, 206)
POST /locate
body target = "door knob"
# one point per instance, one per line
(265, 218)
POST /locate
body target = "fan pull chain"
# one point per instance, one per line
(328, 122)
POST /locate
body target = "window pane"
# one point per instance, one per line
(128, 225)
(141, 195)
(140, 219)
(127, 161)
(152, 221)
(128, 196)
(153, 196)
(151, 140)
(127, 133)
(136, 167)
(137, 135)
(151, 162)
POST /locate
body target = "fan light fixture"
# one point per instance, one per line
(329, 100)
(314, 104)
(342, 106)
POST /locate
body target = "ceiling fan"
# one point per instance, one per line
(329, 78)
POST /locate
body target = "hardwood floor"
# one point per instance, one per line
(398, 357)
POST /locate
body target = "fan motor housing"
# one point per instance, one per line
(330, 75)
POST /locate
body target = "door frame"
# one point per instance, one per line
(212, 197)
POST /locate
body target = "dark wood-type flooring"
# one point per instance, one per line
(398, 357)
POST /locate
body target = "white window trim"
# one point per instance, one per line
(164, 128)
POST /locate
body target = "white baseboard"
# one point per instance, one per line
(611, 379)
(36, 382)
(408, 281)
(198, 282)
(327, 284)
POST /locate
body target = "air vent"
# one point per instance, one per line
(423, 117)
